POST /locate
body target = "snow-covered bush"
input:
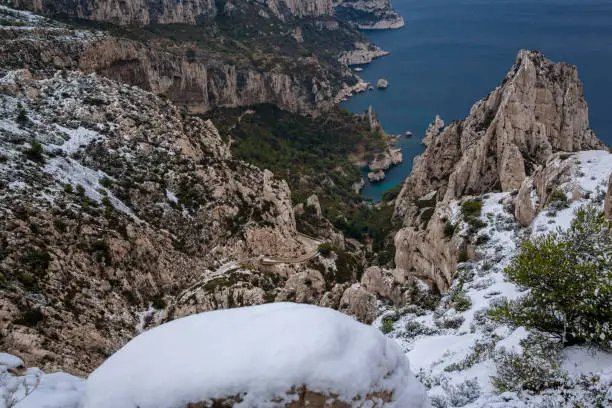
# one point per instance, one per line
(569, 274)
(461, 301)
(457, 395)
(450, 322)
(414, 328)
(535, 368)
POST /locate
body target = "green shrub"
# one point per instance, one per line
(569, 274)
(326, 248)
(68, 188)
(557, 201)
(558, 196)
(463, 256)
(190, 54)
(392, 193)
(80, 190)
(461, 302)
(105, 182)
(535, 369)
(35, 152)
(482, 239)
(30, 318)
(471, 208)
(37, 261)
(449, 229)
(22, 116)
(387, 325)
(450, 322)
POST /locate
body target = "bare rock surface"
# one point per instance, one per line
(538, 110)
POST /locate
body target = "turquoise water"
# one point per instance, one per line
(451, 53)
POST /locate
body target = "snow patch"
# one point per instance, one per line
(259, 352)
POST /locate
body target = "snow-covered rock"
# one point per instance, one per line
(35, 389)
(261, 356)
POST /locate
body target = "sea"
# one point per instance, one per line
(451, 53)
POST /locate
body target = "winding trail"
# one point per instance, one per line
(309, 242)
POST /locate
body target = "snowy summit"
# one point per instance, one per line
(273, 355)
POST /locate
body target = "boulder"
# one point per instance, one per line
(281, 354)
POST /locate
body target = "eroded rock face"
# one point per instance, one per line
(136, 200)
(144, 12)
(200, 85)
(538, 110)
(536, 190)
(359, 302)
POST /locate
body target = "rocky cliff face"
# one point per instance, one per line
(142, 12)
(300, 85)
(538, 110)
(369, 14)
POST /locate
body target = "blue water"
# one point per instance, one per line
(451, 53)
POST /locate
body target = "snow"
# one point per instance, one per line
(77, 138)
(10, 361)
(170, 196)
(430, 351)
(35, 389)
(582, 359)
(593, 169)
(512, 342)
(259, 352)
(68, 170)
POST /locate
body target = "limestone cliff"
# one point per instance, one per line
(142, 12)
(369, 14)
(366, 14)
(299, 85)
(538, 110)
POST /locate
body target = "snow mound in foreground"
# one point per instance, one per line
(260, 356)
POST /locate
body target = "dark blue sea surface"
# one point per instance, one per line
(452, 53)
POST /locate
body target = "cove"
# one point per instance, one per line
(451, 53)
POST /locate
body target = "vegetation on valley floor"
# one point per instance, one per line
(312, 154)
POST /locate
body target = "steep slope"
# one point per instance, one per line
(120, 211)
(113, 198)
(198, 66)
(538, 110)
(459, 351)
(371, 14)
(142, 12)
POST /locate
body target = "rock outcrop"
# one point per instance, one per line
(538, 110)
(382, 83)
(120, 211)
(383, 161)
(369, 14)
(364, 53)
